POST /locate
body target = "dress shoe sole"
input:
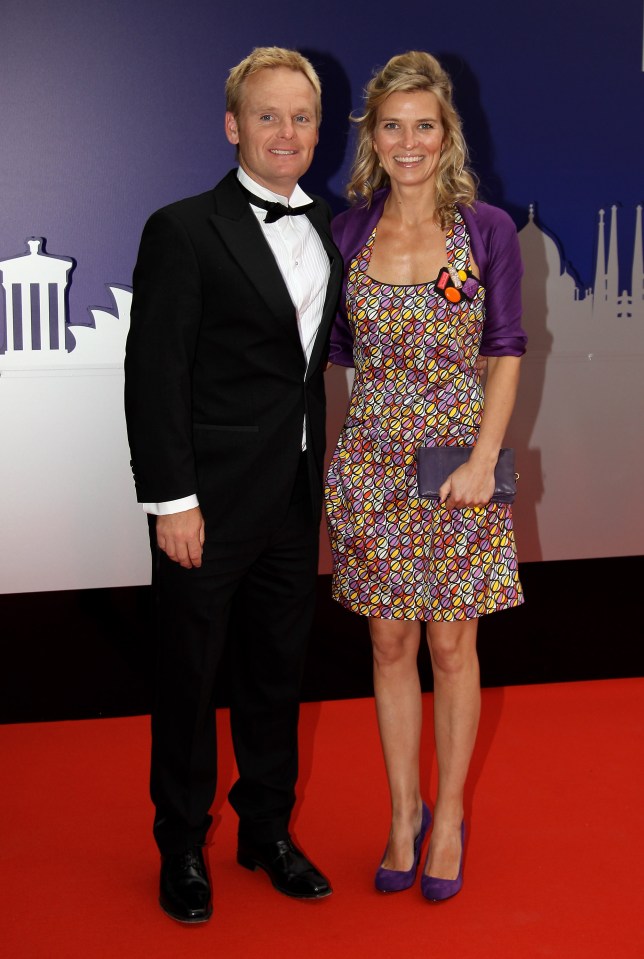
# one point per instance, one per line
(187, 920)
(253, 864)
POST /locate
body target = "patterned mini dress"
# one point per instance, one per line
(396, 556)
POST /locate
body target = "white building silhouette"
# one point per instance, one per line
(577, 420)
(35, 298)
(558, 318)
(35, 286)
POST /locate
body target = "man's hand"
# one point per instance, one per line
(181, 536)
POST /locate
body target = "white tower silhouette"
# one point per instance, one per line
(41, 281)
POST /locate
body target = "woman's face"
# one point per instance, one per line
(408, 137)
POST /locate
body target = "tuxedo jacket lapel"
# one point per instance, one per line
(239, 230)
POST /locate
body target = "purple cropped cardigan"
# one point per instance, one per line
(495, 250)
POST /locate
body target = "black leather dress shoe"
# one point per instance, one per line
(287, 867)
(184, 893)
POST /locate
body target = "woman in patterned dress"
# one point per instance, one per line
(432, 281)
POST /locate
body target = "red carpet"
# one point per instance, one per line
(553, 865)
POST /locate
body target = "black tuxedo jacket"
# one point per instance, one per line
(216, 383)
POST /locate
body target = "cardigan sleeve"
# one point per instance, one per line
(341, 342)
(495, 247)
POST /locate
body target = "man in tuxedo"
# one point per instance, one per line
(234, 294)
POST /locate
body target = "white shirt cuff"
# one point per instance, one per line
(172, 506)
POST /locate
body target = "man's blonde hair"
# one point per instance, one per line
(268, 58)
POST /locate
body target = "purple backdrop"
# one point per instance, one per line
(110, 110)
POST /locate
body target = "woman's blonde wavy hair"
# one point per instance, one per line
(408, 72)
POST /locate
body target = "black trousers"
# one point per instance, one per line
(266, 589)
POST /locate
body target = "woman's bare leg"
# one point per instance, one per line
(457, 706)
(398, 707)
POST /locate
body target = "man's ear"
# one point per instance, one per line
(230, 123)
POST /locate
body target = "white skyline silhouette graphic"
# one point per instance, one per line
(575, 429)
(35, 286)
(35, 334)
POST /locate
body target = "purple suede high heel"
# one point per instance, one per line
(437, 890)
(395, 880)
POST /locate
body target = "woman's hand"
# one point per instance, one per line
(472, 484)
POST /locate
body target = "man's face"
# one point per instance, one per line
(276, 128)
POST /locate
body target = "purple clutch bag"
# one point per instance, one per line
(435, 463)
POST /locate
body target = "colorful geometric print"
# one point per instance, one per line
(395, 556)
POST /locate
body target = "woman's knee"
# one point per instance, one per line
(453, 646)
(393, 643)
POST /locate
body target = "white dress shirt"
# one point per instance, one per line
(304, 265)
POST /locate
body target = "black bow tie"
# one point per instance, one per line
(275, 211)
